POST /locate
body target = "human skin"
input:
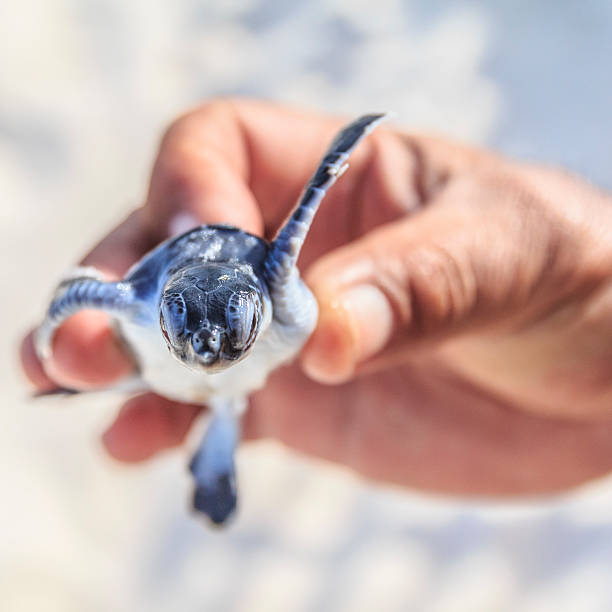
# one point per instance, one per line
(464, 343)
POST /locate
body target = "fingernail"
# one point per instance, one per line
(352, 327)
(370, 318)
(109, 440)
(32, 365)
(328, 356)
(182, 222)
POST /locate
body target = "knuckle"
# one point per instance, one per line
(184, 125)
(427, 179)
(193, 133)
(178, 131)
(441, 288)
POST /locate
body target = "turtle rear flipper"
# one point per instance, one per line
(280, 265)
(213, 464)
(217, 500)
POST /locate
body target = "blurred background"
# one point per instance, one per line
(86, 88)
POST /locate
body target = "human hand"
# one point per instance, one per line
(463, 344)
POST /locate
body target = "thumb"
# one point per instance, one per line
(471, 258)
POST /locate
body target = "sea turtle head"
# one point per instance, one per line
(211, 314)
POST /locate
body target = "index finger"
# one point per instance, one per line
(245, 162)
(237, 162)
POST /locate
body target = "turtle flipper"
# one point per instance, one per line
(280, 265)
(130, 385)
(213, 464)
(83, 289)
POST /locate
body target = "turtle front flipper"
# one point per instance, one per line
(84, 289)
(213, 464)
(280, 266)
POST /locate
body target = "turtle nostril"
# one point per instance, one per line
(214, 341)
(207, 344)
(196, 342)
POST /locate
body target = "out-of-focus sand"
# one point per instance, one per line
(85, 90)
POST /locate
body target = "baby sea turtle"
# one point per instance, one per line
(209, 314)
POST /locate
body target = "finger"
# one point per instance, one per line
(146, 425)
(200, 174)
(86, 352)
(32, 366)
(232, 160)
(478, 255)
(245, 163)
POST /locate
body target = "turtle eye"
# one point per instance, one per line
(242, 318)
(173, 317)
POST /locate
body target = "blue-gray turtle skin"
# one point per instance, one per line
(207, 315)
(207, 243)
(205, 283)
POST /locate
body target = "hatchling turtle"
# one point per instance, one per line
(209, 314)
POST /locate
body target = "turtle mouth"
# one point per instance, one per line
(210, 362)
(207, 359)
(203, 351)
(214, 367)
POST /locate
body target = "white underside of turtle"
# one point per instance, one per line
(162, 372)
(207, 316)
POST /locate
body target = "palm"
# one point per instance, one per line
(423, 426)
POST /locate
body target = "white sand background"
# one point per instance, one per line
(86, 87)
